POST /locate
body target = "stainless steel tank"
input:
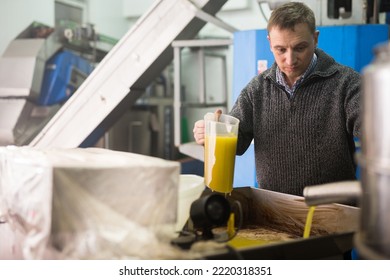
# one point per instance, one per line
(373, 237)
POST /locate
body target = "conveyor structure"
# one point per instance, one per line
(123, 74)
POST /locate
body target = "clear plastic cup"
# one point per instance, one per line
(220, 151)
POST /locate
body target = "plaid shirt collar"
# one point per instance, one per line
(282, 81)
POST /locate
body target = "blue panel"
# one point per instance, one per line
(249, 47)
(351, 45)
(244, 53)
(56, 84)
(263, 51)
(368, 38)
(337, 42)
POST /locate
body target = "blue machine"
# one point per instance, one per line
(64, 72)
(351, 45)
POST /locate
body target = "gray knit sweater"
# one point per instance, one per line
(305, 140)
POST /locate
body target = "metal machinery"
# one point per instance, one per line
(40, 70)
(124, 73)
(114, 86)
(22, 69)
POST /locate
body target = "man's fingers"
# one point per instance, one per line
(199, 132)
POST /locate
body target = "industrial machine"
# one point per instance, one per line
(268, 225)
(129, 94)
(42, 68)
(40, 71)
(124, 73)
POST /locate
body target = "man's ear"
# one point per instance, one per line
(316, 35)
(269, 41)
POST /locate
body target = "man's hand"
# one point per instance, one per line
(199, 129)
(199, 132)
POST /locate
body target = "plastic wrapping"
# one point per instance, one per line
(86, 204)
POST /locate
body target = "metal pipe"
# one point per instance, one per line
(338, 192)
(375, 12)
(177, 96)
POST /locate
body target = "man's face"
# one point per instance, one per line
(293, 49)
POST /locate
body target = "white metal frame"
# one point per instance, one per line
(112, 81)
(177, 103)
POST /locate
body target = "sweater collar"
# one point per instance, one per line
(282, 81)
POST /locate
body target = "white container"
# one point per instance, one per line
(84, 203)
(190, 189)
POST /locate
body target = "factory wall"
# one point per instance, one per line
(17, 15)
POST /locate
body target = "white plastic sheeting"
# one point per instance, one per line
(86, 204)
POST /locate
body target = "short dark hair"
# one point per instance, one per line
(290, 14)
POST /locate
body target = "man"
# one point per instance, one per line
(302, 113)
